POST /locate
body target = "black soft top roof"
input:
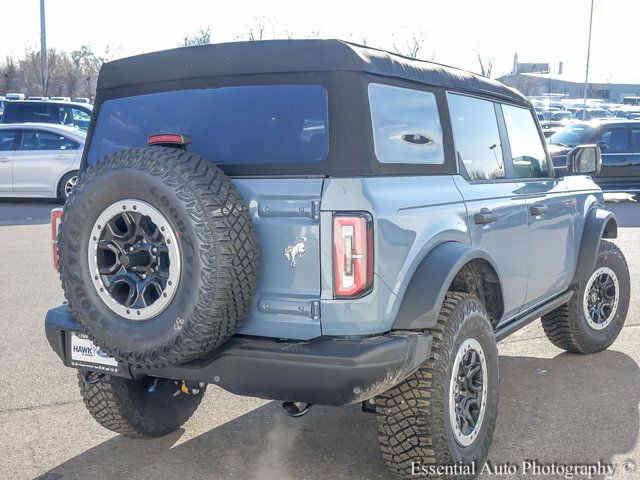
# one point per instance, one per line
(281, 56)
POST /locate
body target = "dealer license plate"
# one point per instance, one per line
(84, 353)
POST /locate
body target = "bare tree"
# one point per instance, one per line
(10, 75)
(486, 64)
(414, 41)
(361, 40)
(257, 30)
(201, 37)
(68, 74)
(290, 35)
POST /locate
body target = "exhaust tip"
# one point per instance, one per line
(296, 409)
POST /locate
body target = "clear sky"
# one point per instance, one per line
(538, 30)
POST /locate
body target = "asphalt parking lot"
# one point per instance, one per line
(554, 407)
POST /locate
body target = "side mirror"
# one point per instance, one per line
(584, 160)
(602, 144)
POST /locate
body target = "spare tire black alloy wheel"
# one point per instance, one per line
(158, 256)
(134, 259)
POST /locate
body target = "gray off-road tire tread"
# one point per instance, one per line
(227, 248)
(562, 325)
(109, 403)
(409, 416)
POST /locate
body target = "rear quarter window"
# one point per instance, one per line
(406, 125)
(266, 124)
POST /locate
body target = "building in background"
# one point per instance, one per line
(532, 84)
(534, 79)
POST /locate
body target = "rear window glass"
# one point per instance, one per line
(270, 124)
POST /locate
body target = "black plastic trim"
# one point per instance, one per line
(430, 282)
(325, 371)
(511, 326)
(597, 226)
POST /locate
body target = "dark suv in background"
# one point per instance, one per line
(65, 113)
(619, 141)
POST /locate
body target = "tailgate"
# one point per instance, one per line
(286, 214)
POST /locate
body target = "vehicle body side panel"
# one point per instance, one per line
(6, 174)
(506, 239)
(36, 171)
(411, 215)
(286, 302)
(551, 254)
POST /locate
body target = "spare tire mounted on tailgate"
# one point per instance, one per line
(158, 255)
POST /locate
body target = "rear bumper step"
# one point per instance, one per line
(325, 370)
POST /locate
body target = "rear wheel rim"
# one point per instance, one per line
(134, 259)
(601, 297)
(468, 392)
(69, 185)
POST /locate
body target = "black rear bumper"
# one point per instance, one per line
(325, 371)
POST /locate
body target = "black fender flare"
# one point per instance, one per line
(430, 282)
(599, 224)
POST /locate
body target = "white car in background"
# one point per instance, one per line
(39, 159)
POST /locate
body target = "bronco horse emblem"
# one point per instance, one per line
(293, 251)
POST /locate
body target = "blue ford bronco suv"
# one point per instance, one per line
(318, 222)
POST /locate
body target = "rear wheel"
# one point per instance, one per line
(592, 320)
(445, 412)
(66, 185)
(149, 407)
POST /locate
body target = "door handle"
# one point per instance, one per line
(539, 210)
(4, 159)
(485, 217)
(61, 157)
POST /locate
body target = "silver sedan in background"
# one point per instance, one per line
(39, 159)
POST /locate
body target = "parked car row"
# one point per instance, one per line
(48, 111)
(619, 141)
(39, 159)
(22, 96)
(41, 144)
(572, 109)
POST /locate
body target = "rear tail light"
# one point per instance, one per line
(352, 254)
(56, 216)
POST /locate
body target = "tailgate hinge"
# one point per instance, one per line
(315, 209)
(309, 309)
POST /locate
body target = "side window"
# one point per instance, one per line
(529, 157)
(406, 125)
(616, 139)
(7, 138)
(477, 138)
(80, 119)
(41, 140)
